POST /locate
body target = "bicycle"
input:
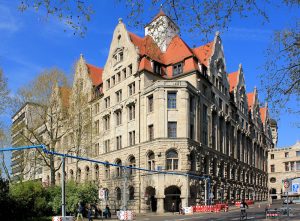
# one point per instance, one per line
(243, 215)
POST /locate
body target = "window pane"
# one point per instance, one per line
(172, 154)
(172, 129)
(171, 100)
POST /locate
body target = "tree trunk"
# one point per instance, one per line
(52, 170)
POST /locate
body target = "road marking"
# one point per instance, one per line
(195, 217)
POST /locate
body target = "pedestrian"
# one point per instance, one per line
(79, 212)
(173, 208)
(90, 212)
(106, 212)
(180, 208)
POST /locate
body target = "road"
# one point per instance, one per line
(254, 213)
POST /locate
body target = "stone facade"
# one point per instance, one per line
(161, 105)
(283, 163)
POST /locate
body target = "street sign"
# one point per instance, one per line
(295, 187)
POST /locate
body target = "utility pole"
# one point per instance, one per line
(125, 190)
(205, 191)
(63, 193)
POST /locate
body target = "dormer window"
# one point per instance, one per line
(118, 56)
(177, 69)
(156, 67)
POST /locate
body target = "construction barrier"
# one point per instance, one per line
(211, 208)
(125, 215)
(249, 202)
(60, 218)
(273, 213)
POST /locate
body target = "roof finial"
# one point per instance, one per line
(217, 33)
(240, 66)
(120, 20)
(81, 56)
(161, 5)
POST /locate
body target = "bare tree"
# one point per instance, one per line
(281, 79)
(80, 122)
(47, 126)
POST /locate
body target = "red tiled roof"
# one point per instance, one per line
(177, 51)
(250, 97)
(95, 74)
(263, 113)
(233, 80)
(204, 52)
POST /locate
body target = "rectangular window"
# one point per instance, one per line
(118, 118)
(150, 132)
(286, 166)
(106, 146)
(204, 90)
(272, 168)
(272, 156)
(192, 131)
(172, 100)
(297, 153)
(113, 80)
(150, 103)
(298, 165)
(96, 150)
(130, 70)
(204, 125)
(107, 102)
(177, 69)
(108, 83)
(172, 129)
(119, 142)
(97, 108)
(119, 96)
(286, 154)
(156, 68)
(131, 138)
(131, 112)
(292, 166)
(106, 122)
(118, 77)
(220, 104)
(96, 125)
(124, 73)
(131, 89)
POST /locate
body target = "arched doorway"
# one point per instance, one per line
(151, 200)
(172, 195)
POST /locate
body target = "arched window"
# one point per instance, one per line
(87, 173)
(118, 193)
(132, 164)
(118, 169)
(96, 172)
(172, 160)
(118, 56)
(151, 161)
(193, 160)
(131, 193)
(107, 171)
(71, 174)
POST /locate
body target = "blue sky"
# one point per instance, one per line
(29, 44)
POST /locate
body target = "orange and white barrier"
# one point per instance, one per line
(60, 218)
(125, 215)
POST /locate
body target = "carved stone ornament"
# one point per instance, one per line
(131, 101)
(118, 107)
(106, 113)
(227, 118)
(221, 113)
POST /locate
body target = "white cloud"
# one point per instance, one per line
(8, 21)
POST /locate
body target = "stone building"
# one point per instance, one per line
(162, 105)
(283, 163)
(25, 164)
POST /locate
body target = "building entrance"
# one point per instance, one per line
(151, 201)
(172, 195)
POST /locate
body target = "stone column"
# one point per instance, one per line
(160, 205)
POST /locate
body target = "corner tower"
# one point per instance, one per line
(162, 29)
